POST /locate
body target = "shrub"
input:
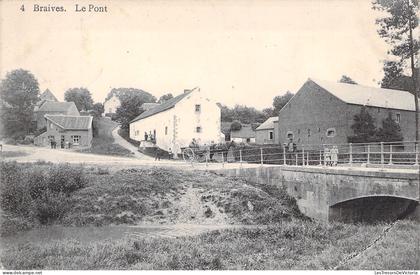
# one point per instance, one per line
(66, 178)
(236, 126)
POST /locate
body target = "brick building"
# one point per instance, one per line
(322, 112)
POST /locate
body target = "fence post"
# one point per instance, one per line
(368, 154)
(307, 158)
(303, 155)
(382, 152)
(296, 158)
(284, 155)
(351, 153)
(223, 159)
(416, 146)
(206, 161)
(262, 160)
(390, 154)
(240, 155)
(320, 157)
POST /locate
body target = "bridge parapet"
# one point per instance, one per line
(319, 189)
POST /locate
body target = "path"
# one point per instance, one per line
(127, 145)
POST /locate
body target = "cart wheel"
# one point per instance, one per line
(188, 155)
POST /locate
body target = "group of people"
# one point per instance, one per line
(63, 144)
(331, 156)
(149, 136)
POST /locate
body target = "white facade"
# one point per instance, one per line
(194, 116)
(111, 105)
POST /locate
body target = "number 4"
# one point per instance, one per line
(22, 8)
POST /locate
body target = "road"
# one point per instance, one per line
(127, 145)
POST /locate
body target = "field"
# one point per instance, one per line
(103, 142)
(280, 236)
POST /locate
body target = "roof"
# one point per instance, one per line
(52, 106)
(71, 122)
(245, 132)
(268, 124)
(162, 107)
(148, 106)
(369, 96)
(47, 95)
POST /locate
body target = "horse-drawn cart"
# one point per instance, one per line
(195, 153)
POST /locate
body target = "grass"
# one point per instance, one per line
(290, 245)
(103, 142)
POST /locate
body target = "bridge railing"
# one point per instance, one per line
(374, 153)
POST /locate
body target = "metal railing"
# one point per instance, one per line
(375, 153)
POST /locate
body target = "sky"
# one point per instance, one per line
(238, 52)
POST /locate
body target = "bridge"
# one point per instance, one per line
(341, 193)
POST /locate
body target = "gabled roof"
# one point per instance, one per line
(369, 96)
(71, 122)
(162, 107)
(52, 106)
(245, 132)
(47, 95)
(268, 124)
(148, 106)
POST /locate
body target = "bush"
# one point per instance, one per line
(236, 126)
(37, 192)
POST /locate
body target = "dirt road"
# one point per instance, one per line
(127, 145)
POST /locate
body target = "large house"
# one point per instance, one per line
(174, 123)
(267, 132)
(75, 131)
(111, 104)
(322, 112)
(53, 108)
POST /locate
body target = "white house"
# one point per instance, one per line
(111, 105)
(174, 123)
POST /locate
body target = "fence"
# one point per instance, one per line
(378, 153)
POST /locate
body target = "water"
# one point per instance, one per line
(90, 234)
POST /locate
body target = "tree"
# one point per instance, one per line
(81, 97)
(236, 126)
(397, 30)
(394, 77)
(347, 79)
(129, 109)
(280, 101)
(390, 130)
(363, 127)
(98, 109)
(164, 98)
(19, 93)
(268, 112)
(242, 113)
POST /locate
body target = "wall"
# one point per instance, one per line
(263, 136)
(181, 122)
(111, 105)
(319, 189)
(85, 137)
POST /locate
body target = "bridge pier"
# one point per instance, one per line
(340, 193)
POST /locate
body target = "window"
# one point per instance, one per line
(198, 108)
(51, 137)
(298, 131)
(136, 132)
(289, 134)
(319, 129)
(330, 132)
(75, 139)
(309, 132)
(51, 125)
(198, 129)
(166, 130)
(271, 135)
(397, 118)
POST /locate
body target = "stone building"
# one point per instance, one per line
(267, 132)
(53, 108)
(322, 112)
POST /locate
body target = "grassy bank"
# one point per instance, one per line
(291, 245)
(103, 142)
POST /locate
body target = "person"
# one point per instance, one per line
(193, 143)
(145, 136)
(327, 156)
(51, 143)
(291, 148)
(212, 148)
(334, 156)
(54, 144)
(157, 154)
(170, 154)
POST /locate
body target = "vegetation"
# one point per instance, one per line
(127, 93)
(103, 142)
(390, 130)
(242, 113)
(98, 109)
(397, 27)
(292, 245)
(346, 79)
(19, 92)
(81, 97)
(235, 126)
(164, 98)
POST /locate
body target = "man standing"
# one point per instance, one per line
(291, 149)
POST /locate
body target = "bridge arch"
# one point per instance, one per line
(372, 208)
